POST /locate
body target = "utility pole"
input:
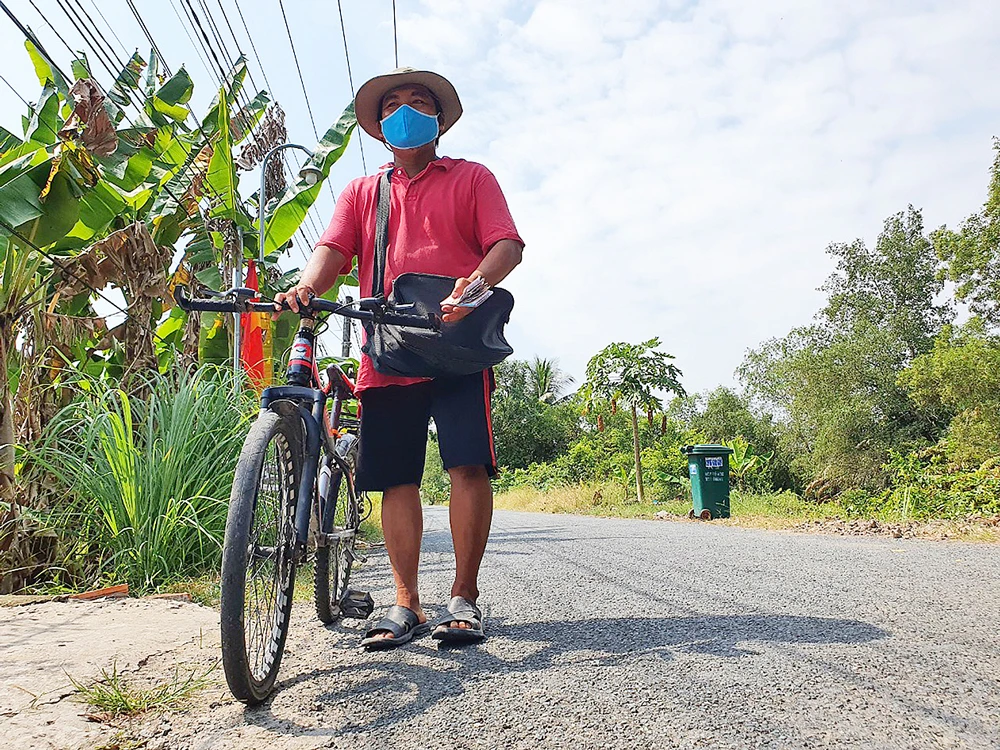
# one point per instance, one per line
(345, 350)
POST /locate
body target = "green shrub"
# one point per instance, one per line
(925, 485)
(146, 481)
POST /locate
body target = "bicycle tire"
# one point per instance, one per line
(333, 561)
(256, 608)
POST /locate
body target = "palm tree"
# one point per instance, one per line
(548, 382)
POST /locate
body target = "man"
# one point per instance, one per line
(447, 217)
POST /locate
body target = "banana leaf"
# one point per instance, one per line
(98, 208)
(221, 178)
(81, 66)
(290, 206)
(45, 71)
(228, 93)
(19, 194)
(166, 106)
(245, 120)
(45, 121)
(127, 81)
(8, 141)
(60, 207)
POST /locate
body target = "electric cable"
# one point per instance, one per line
(253, 46)
(302, 81)
(149, 36)
(111, 28)
(395, 42)
(350, 77)
(98, 51)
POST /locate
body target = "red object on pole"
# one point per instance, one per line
(254, 352)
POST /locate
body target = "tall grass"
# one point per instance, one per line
(146, 481)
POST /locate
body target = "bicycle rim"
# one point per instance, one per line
(335, 559)
(258, 570)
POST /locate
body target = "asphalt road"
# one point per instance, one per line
(637, 634)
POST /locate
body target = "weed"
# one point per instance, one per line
(112, 695)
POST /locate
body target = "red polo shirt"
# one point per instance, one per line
(442, 221)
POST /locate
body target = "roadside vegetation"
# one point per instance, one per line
(884, 407)
(113, 695)
(118, 437)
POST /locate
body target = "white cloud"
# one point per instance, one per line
(677, 169)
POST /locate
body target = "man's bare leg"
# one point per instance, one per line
(471, 512)
(403, 526)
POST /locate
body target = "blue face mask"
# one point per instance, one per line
(408, 128)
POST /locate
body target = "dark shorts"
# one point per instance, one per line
(394, 423)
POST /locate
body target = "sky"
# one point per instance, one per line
(676, 169)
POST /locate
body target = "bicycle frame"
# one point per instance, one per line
(304, 397)
(309, 404)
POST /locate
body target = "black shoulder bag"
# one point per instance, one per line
(461, 348)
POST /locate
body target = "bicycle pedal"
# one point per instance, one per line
(357, 605)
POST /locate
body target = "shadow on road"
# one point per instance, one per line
(393, 688)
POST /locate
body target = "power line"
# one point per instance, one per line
(46, 20)
(111, 28)
(149, 36)
(350, 78)
(395, 42)
(208, 46)
(16, 93)
(201, 57)
(295, 57)
(98, 51)
(253, 46)
(302, 80)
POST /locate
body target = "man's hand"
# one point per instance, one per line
(448, 307)
(296, 296)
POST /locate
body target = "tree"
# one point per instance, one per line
(547, 380)
(834, 383)
(528, 429)
(632, 375)
(973, 252)
(893, 287)
(960, 380)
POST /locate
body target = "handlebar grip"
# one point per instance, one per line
(201, 305)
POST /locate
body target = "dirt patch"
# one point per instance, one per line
(970, 530)
(986, 529)
(47, 644)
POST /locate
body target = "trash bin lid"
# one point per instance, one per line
(706, 450)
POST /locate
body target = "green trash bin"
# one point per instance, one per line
(708, 467)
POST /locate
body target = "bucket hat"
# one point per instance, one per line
(369, 97)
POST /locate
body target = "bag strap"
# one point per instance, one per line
(381, 234)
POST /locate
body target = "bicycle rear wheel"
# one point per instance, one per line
(338, 521)
(258, 567)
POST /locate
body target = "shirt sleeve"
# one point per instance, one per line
(492, 216)
(343, 232)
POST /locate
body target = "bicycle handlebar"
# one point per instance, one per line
(373, 309)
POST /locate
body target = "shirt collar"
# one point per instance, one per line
(442, 162)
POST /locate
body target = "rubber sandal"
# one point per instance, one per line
(459, 610)
(401, 622)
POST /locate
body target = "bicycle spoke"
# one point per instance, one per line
(267, 558)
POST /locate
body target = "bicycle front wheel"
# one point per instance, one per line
(338, 521)
(258, 566)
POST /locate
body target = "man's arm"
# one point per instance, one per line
(502, 258)
(319, 275)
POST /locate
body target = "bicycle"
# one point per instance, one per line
(293, 491)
